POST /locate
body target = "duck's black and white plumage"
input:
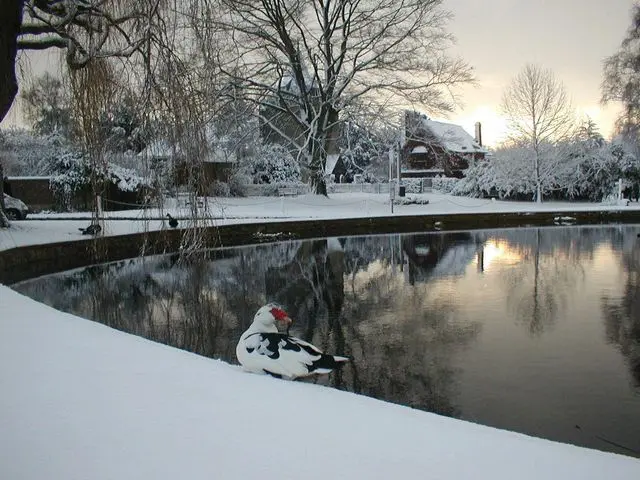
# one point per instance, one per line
(262, 349)
(92, 229)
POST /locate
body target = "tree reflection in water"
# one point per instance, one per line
(549, 270)
(622, 315)
(348, 297)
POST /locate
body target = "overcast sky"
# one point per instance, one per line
(498, 37)
(571, 37)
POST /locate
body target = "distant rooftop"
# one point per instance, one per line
(452, 137)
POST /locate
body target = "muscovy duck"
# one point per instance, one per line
(262, 349)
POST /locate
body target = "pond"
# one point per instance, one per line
(535, 330)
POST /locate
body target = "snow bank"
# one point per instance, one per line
(55, 227)
(82, 401)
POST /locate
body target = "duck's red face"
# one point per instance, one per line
(281, 316)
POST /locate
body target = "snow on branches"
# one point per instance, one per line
(272, 163)
(73, 174)
(580, 169)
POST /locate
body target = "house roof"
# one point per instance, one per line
(452, 137)
(332, 161)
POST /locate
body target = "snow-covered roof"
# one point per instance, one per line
(162, 149)
(159, 149)
(29, 177)
(452, 137)
(332, 161)
(288, 83)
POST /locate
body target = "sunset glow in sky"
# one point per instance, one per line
(570, 37)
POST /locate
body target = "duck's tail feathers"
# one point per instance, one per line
(327, 363)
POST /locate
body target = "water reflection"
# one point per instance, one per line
(622, 313)
(486, 325)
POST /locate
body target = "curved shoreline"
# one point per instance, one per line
(25, 262)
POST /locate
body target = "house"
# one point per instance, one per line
(434, 148)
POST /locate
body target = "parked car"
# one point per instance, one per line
(14, 208)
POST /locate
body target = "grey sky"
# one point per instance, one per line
(498, 37)
(571, 37)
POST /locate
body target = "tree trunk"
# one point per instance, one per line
(318, 184)
(318, 162)
(4, 221)
(11, 19)
(538, 181)
(11, 15)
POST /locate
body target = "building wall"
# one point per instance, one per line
(35, 192)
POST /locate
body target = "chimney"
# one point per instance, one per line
(479, 133)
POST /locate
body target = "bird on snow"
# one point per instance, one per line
(262, 349)
(173, 223)
(92, 229)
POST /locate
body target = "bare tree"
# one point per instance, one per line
(306, 62)
(539, 113)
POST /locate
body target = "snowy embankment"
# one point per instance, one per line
(82, 401)
(46, 228)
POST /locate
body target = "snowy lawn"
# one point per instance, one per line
(45, 228)
(82, 401)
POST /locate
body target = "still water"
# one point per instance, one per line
(533, 330)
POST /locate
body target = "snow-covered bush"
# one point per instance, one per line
(219, 189)
(410, 201)
(579, 169)
(72, 175)
(444, 184)
(598, 169)
(272, 163)
(238, 185)
(413, 185)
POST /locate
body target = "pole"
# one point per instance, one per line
(398, 155)
(391, 185)
(619, 190)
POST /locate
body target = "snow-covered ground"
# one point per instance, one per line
(82, 401)
(79, 400)
(222, 211)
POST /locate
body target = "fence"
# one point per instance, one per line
(413, 185)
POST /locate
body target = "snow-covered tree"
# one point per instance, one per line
(597, 167)
(47, 106)
(539, 114)
(273, 163)
(27, 153)
(122, 127)
(363, 148)
(583, 167)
